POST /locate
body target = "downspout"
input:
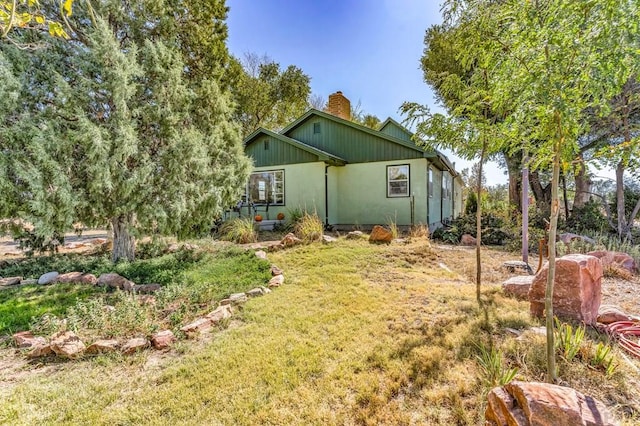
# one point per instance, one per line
(326, 195)
(441, 196)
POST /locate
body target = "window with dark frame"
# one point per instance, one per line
(266, 187)
(398, 180)
(316, 128)
(266, 144)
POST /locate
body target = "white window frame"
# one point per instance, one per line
(266, 187)
(430, 182)
(395, 168)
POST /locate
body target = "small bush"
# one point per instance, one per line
(309, 228)
(419, 231)
(239, 231)
(568, 340)
(493, 371)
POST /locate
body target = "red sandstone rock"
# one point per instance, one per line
(115, 281)
(467, 240)
(134, 345)
(199, 325)
(542, 404)
(380, 235)
(66, 344)
(518, 287)
(163, 339)
(577, 288)
(622, 260)
(102, 346)
(290, 240)
(609, 314)
(220, 313)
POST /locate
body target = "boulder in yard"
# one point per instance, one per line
(48, 278)
(26, 339)
(380, 235)
(275, 270)
(234, 299)
(115, 281)
(102, 346)
(276, 281)
(163, 339)
(69, 277)
(261, 254)
(621, 260)
(516, 266)
(255, 292)
(290, 240)
(608, 314)
(577, 288)
(197, 326)
(134, 345)
(40, 350)
(328, 239)
(29, 281)
(9, 281)
(66, 344)
(543, 404)
(355, 235)
(220, 313)
(518, 287)
(275, 247)
(467, 240)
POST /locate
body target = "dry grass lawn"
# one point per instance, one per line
(357, 335)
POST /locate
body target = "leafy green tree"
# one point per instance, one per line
(548, 70)
(113, 129)
(268, 96)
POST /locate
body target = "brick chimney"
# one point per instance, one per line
(339, 106)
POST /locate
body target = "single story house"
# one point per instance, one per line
(348, 174)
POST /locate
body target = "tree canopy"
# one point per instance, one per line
(120, 125)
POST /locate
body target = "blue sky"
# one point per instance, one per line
(368, 49)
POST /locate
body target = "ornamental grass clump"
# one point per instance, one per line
(309, 228)
(239, 231)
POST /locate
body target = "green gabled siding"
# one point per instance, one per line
(354, 145)
(278, 153)
(394, 130)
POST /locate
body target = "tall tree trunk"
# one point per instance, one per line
(514, 168)
(479, 226)
(551, 276)
(124, 244)
(622, 219)
(542, 194)
(583, 183)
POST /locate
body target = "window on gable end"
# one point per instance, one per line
(316, 128)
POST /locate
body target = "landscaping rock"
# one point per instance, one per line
(518, 287)
(66, 344)
(237, 298)
(327, 239)
(516, 266)
(172, 248)
(199, 325)
(261, 254)
(577, 289)
(163, 339)
(543, 404)
(276, 281)
(76, 277)
(115, 281)
(29, 281)
(622, 260)
(220, 313)
(380, 235)
(9, 281)
(146, 288)
(48, 278)
(146, 299)
(255, 292)
(40, 350)
(467, 240)
(290, 240)
(265, 290)
(568, 237)
(26, 339)
(102, 346)
(134, 345)
(609, 314)
(275, 270)
(355, 235)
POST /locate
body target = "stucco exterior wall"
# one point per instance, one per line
(362, 194)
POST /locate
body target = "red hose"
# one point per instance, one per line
(625, 332)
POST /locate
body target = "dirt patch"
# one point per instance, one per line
(9, 248)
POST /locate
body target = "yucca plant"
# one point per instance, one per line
(239, 230)
(568, 339)
(493, 371)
